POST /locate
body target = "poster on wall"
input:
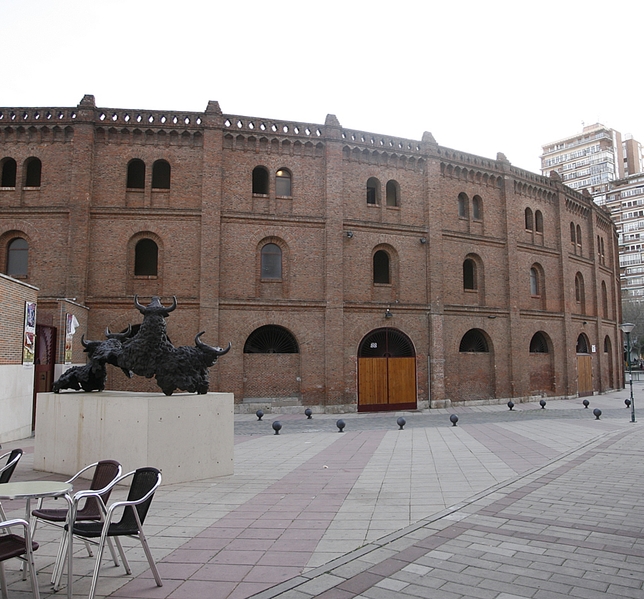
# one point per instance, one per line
(29, 343)
(71, 324)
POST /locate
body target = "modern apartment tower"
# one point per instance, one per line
(609, 166)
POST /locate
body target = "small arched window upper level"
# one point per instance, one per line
(146, 258)
(161, 174)
(381, 268)
(17, 257)
(477, 208)
(535, 287)
(538, 221)
(604, 297)
(529, 219)
(470, 275)
(260, 180)
(373, 191)
(136, 174)
(283, 183)
(393, 193)
(9, 170)
(573, 234)
(463, 205)
(271, 262)
(33, 172)
(579, 240)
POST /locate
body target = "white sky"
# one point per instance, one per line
(482, 76)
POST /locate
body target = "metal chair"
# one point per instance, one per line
(13, 457)
(145, 482)
(105, 474)
(12, 545)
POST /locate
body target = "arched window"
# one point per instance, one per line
(161, 174)
(136, 174)
(146, 258)
(474, 341)
(469, 274)
(463, 205)
(9, 169)
(573, 235)
(271, 339)
(33, 169)
(477, 208)
(583, 347)
(604, 300)
(381, 273)
(283, 183)
(373, 191)
(393, 193)
(580, 294)
(539, 343)
(579, 245)
(260, 180)
(271, 258)
(17, 257)
(535, 288)
(529, 225)
(538, 221)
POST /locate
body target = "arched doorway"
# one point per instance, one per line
(584, 367)
(386, 371)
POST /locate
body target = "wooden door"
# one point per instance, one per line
(584, 375)
(386, 372)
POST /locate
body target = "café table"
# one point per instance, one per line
(33, 489)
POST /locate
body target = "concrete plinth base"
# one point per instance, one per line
(186, 436)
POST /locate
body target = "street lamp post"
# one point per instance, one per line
(627, 328)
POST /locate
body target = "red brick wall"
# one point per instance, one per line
(13, 295)
(82, 226)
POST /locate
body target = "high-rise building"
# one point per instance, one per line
(609, 166)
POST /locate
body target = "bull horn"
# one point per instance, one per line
(217, 350)
(139, 307)
(119, 336)
(83, 342)
(174, 304)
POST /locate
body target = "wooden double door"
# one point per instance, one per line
(386, 372)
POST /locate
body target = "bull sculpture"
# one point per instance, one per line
(145, 350)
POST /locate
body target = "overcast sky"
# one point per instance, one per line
(482, 76)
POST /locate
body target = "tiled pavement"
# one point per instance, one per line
(539, 503)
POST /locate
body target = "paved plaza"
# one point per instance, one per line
(529, 503)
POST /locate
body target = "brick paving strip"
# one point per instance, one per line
(571, 528)
(270, 538)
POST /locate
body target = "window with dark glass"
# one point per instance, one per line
(17, 257)
(538, 344)
(393, 193)
(146, 258)
(474, 341)
(381, 267)
(373, 191)
(529, 224)
(32, 172)
(538, 221)
(534, 282)
(136, 174)
(283, 183)
(463, 205)
(8, 173)
(477, 208)
(260, 180)
(469, 274)
(271, 339)
(161, 174)
(271, 261)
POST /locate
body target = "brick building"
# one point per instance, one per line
(349, 269)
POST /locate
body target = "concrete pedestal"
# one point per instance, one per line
(186, 436)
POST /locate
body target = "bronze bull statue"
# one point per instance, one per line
(145, 350)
